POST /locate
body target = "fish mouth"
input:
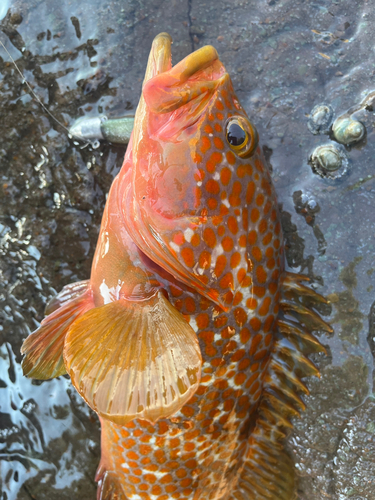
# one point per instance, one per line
(160, 58)
(197, 61)
(166, 88)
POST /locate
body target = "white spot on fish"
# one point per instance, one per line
(175, 247)
(218, 250)
(188, 234)
(196, 269)
(193, 324)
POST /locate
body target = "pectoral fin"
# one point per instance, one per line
(69, 292)
(109, 488)
(43, 349)
(134, 359)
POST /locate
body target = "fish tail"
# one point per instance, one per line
(268, 471)
(43, 349)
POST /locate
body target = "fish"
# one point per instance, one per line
(190, 339)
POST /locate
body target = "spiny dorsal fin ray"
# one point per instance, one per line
(306, 316)
(275, 416)
(264, 482)
(275, 469)
(295, 358)
(281, 367)
(300, 346)
(305, 339)
(281, 484)
(282, 405)
(292, 286)
(269, 472)
(269, 429)
(269, 486)
(285, 392)
(251, 485)
(265, 472)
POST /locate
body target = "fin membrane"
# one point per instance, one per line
(109, 488)
(43, 349)
(134, 359)
(268, 472)
(69, 292)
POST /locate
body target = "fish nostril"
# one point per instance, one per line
(178, 185)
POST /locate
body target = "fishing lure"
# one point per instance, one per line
(189, 338)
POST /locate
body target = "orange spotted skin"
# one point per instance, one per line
(198, 453)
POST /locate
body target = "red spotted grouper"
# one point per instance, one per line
(189, 338)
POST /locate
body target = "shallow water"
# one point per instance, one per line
(87, 58)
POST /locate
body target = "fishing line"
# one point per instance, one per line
(36, 97)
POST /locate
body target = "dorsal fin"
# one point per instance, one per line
(268, 472)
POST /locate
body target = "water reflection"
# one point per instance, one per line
(40, 436)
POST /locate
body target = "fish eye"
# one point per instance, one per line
(241, 136)
(236, 134)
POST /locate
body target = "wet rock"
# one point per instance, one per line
(348, 315)
(355, 455)
(197, 30)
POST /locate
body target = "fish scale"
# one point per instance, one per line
(190, 339)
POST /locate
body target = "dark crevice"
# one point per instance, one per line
(190, 23)
(26, 489)
(371, 332)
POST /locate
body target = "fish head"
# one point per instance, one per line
(191, 138)
(190, 118)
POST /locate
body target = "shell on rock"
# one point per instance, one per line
(320, 119)
(328, 161)
(348, 130)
